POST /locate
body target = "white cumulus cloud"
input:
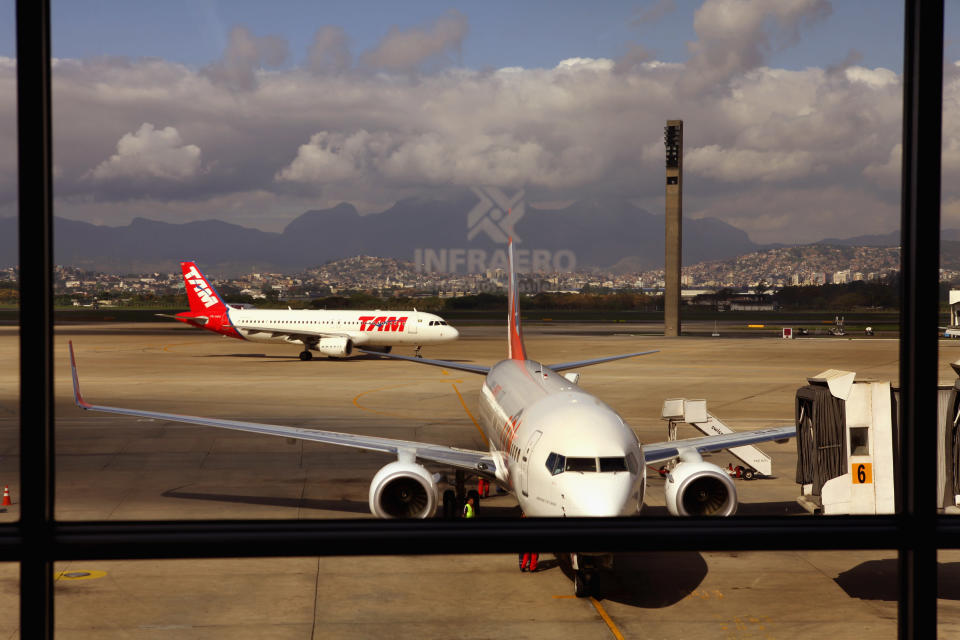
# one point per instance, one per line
(151, 153)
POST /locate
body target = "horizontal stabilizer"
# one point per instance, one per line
(564, 366)
(459, 366)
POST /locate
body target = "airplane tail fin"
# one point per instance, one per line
(515, 348)
(201, 294)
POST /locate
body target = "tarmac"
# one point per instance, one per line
(117, 468)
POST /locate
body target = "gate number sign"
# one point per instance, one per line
(861, 473)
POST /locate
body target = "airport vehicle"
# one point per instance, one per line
(331, 333)
(560, 450)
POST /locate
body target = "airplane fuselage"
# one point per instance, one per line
(369, 328)
(559, 449)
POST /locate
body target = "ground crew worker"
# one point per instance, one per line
(468, 510)
(529, 562)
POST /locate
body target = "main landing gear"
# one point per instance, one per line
(306, 355)
(417, 353)
(454, 499)
(582, 580)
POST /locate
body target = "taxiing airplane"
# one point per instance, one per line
(561, 451)
(331, 333)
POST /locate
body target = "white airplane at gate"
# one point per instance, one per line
(561, 451)
(331, 333)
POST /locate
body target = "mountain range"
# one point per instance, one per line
(608, 234)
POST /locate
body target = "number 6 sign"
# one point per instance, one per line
(861, 473)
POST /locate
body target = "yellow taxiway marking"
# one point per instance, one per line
(78, 574)
(475, 423)
(606, 618)
(603, 614)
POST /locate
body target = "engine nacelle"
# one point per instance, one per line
(700, 489)
(336, 347)
(403, 490)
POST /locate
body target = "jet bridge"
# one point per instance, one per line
(694, 413)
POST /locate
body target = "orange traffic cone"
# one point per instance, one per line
(6, 495)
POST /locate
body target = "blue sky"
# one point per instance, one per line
(534, 34)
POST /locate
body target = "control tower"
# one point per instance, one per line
(673, 141)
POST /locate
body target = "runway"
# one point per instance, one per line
(116, 468)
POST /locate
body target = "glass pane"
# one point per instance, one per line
(316, 196)
(9, 272)
(948, 592)
(948, 441)
(710, 595)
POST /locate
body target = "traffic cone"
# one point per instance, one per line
(6, 495)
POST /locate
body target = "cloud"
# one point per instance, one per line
(748, 165)
(245, 54)
(635, 56)
(330, 158)
(775, 151)
(407, 50)
(150, 153)
(330, 51)
(653, 12)
(734, 36)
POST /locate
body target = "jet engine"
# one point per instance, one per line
(700, 489)
(403, 490)
(336, 347)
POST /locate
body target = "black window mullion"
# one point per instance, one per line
(919, 272)
(36, 316)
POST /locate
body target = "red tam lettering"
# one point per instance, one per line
(379, 322)
(363, 322)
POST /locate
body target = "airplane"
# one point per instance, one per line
(331, 333)
(558, 449)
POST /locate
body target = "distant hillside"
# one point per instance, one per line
(599, 232)
(779, 265)
(613, 235)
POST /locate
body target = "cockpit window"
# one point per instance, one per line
(581, 464)
(555, 463)
(613, 464)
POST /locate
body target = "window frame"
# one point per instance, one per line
(38, 540)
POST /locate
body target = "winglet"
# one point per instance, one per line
(76, 383)
(515, 348)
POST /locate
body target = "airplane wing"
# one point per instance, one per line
(460, 458)
(662, 451)
(563, 366)
(299, 334)
(459, 366)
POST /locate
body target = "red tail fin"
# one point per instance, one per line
(202, 296)
(515, 348)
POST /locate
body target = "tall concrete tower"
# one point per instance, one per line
(673, 141)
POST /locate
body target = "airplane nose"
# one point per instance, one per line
(593, 495)
(454, 334)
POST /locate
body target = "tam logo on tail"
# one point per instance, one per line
(200, 287)
(203, 291)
